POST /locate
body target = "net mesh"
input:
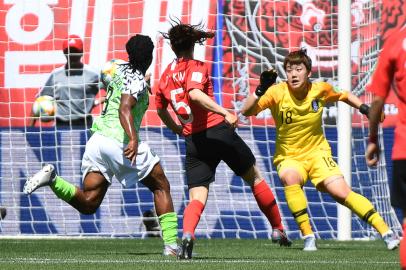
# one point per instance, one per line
(250, 37)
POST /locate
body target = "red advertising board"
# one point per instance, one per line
(32, 32)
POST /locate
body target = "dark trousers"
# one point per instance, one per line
(83, 122)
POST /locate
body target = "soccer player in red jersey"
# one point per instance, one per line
(391, 71)
(209, 133)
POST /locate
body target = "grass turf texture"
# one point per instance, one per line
(145, 254)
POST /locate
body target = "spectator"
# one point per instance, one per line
(74, 87)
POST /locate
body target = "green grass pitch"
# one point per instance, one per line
(122, 254)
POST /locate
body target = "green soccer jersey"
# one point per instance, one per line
(120, 78)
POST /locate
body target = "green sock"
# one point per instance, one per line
(63, 189)
(169, 226)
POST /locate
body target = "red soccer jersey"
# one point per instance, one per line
(392, 69)
(181, 76)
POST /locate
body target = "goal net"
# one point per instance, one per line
(250, 36)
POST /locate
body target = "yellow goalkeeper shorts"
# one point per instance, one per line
(317, 166)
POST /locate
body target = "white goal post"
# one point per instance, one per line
(345, 137)
(344, 122)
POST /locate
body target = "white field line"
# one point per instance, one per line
(197, 261)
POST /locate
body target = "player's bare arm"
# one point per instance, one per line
(206, 102)
(375, 115)
(353, 101)
(127, 122)
(356, 103)
(169, 122)
(250, 105)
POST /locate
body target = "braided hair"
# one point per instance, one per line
(184, 36)
(139, 49)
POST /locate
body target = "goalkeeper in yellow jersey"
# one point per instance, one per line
(302, 152)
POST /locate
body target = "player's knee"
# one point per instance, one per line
(163, 185)
(159, 184)
(252, 176)
(156, 180)
(336, 187)
(290, 177)
(339, 196)
(89, 207)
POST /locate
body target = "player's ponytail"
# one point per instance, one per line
(201, 35)
(183, 36)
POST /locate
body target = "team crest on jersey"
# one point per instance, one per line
(315, 105)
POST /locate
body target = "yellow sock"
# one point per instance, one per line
(297, 204)
(364, 209)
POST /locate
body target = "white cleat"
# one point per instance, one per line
(310, 243)
(391, 240)
(170, 250)
(42, 178)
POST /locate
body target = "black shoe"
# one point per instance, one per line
(186, 248)
(280, 237)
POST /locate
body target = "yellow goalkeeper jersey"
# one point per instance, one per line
(299, 122)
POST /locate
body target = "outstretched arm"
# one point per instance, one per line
(363, 108)
(375, 115)
(353, 101)
(207, 103)
(127, 122)
(169, 122)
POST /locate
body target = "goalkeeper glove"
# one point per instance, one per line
(267, 78)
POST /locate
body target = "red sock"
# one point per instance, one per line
(191, 216)
(267, 203)
(402, 249)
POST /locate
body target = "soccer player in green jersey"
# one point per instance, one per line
(115, 149)
(302, 152)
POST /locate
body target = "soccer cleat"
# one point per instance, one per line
(170, 250)
(391, 240)
(280, 237)
(310, 243)
(186, 248)
(42, 178)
